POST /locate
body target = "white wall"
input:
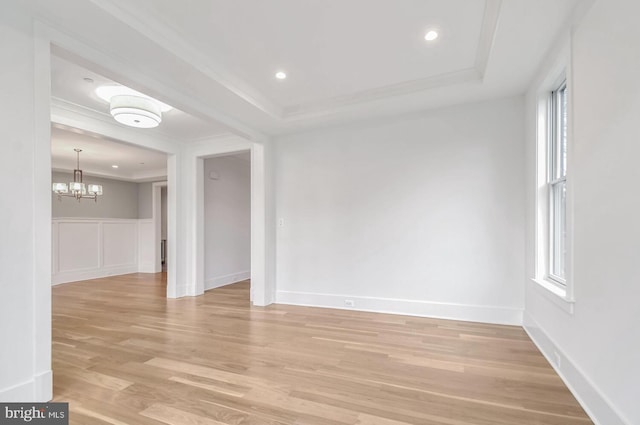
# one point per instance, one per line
(120, 199)
(25, 369)
(227, 218)
(599, 344)
(420, 215)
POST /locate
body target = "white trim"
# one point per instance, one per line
(78, 275)
(218, 281)
(557, 69)
(173, 42)
(331, 105)
(42, 226)
(554, 293)
(487, 35)
(591, 398)
(262, 240)
(452, 311)
(66, 276)
(37, 390)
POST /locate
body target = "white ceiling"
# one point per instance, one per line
(68, 84)
(99, 153)
(345, 60)
(327, 48)
(353, 59)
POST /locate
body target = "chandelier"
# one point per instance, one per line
(76, 188)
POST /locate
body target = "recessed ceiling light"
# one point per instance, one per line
(281, 75)
(431, 35)
(88, 80)
(114, 166)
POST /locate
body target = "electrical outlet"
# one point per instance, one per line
(558, 359)
(349, 303)
(281, 222)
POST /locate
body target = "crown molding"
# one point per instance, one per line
(171, 40)
(473, 74)
(136, 177)
(63, 110)
(329, 106)
(487, 34)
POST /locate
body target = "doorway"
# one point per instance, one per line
(227, 219)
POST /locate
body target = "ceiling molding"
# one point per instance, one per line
(487, 34)
(172, 41)
(72, 47)
(61, 107)
(140, 177)
(329, 106)
(475, 74)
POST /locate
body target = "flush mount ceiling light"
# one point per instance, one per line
(431, 35)
(132, 108)
(77, 189)
(281, 75)
(135, 111)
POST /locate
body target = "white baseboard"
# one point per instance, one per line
(216, 282)
(38, 390)
(471, 313)
(593, 401)
(76, 275)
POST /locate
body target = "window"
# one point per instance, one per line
(557, 184)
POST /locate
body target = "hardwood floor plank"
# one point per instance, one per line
(124, 354)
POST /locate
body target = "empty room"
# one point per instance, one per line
(358, 212)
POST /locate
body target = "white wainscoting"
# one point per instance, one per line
(146, 252)
(90, 248)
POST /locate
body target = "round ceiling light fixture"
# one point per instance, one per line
(132, 108)
(135, 111)
(431, 35)
(281, 75)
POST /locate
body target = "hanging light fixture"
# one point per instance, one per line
(77, 189)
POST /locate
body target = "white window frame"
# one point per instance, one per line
(556, 177)
(558, 290)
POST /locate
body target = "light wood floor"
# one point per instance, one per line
(124, 354)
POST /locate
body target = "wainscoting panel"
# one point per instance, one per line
(120, 241)
(93, 248)
(79, 246)
(146, 252)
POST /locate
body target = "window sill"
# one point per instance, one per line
(555, 294)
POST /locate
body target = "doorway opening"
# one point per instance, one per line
(227, 219)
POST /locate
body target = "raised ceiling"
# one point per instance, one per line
(327, 48)
(352, 59)
(100, 153)
(345, 60)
